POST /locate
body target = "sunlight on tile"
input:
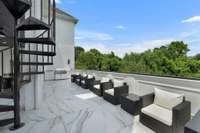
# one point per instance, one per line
(86, 96)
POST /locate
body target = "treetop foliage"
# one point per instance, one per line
(167, 60)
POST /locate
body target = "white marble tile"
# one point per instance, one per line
(68, 108)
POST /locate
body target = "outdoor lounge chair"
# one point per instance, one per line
(78, 79)
(113, 94)
(165, 112)
(74, 77)
(86, 82)
(83, 79)
(99, 86)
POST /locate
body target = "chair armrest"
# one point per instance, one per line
(147, 99)
(83, 78)
(78, 77)
(89, 80)
(181, 114)
(96, 82)
(74, 76)
(121, 90)
(106, 85)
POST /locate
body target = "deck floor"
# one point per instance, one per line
(68, 108)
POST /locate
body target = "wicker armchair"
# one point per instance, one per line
(78, 79)
(99, 86)
(87, 81)
(83, 78)
(164, 115)
(74, 77)
(113, 94)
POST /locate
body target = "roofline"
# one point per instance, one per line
(72, 18)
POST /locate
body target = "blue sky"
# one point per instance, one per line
(134, 25)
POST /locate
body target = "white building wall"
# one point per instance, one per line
(64, 44)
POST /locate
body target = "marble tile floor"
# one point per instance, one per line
(67, 108)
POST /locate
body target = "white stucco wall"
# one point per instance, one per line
(64, 44)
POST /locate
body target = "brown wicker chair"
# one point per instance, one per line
(113, 94)
(99, 86)
(160, 118)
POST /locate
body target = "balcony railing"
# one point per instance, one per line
(145, 84)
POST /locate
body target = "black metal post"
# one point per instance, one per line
(54, 25)
(17, 120)
(2, 65)
(11, 67)
(54, 20)
(2, 60)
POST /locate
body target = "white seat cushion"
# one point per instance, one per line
(167, 99)
(117, 83)
(104, 79)
(159, 113)
(97, 87)
(110, 91)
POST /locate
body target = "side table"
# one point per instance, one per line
(193, 126)
(131, 103)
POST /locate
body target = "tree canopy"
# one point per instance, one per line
(167, 60)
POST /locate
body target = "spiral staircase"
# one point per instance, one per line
(30, 53)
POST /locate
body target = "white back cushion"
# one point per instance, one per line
(90, 76)
(118, 83)
(84, 74)
(77, 73)
(131, 83)
(104, 79)
(166, 99)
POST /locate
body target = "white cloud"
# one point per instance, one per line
(121, 27)
(93, 36)
(192, 19)
(123, 48)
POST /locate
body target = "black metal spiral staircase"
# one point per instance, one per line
(30, 54)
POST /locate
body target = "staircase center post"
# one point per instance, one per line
(17, 120)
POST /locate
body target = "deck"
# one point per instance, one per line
(67, 108)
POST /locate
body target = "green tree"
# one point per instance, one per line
(78, 51)
(111, 62)
(177, 49)
(170, 60)
(197, 57)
